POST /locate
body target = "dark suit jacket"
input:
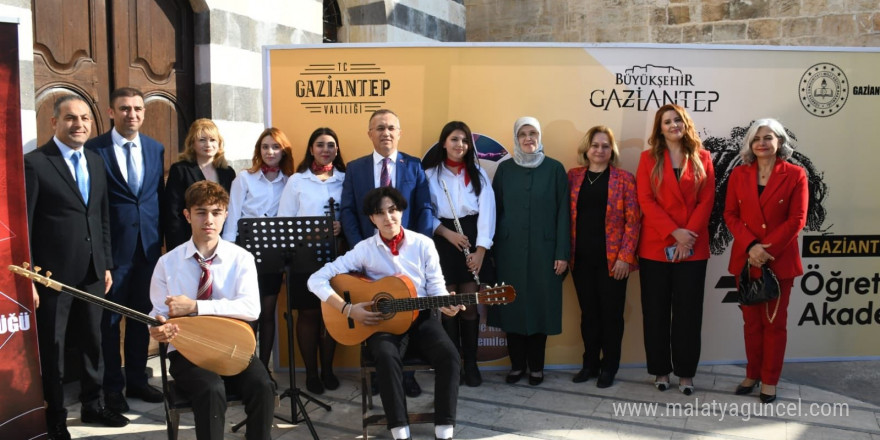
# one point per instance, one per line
(775, 217)
(678, 203)
(66, 236)
(409, 180)
(131, 214)
(180, 176)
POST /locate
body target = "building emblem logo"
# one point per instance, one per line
(823, 89)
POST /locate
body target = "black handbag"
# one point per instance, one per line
(756, 291)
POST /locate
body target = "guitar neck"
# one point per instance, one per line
(110, 305)
(426, 302)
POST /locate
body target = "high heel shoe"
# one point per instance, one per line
(514, 376)
(767, 398)
(661, 385)
(742, 390)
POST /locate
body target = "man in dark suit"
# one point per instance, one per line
(69, 225)
(386, 167)
(135, 187)
(403, 172)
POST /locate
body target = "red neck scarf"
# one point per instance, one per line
(317, 168)
(268, 169)
(394, 243)
(457, 168)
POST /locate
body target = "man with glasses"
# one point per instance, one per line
(386, 166)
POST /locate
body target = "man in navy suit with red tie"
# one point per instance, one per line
(386, 166)
(134, 165)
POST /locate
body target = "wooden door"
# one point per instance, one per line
(153, 51)
(146, 44)
(70, 57)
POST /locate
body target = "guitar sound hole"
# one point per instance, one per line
(384, 305)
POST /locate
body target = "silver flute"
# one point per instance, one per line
(467, 252)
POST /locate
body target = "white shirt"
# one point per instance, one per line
(67, 153)
(377, 168)
(234, 291)
(137, 155)
(417, 259)
(466, 202)
(252, 196)
(305, 195)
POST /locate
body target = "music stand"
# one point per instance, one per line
(290, 245)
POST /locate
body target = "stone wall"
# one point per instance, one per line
(381, 21)
(748, 22)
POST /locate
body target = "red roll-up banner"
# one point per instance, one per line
(22, 413)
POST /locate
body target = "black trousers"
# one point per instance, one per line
(602, 299)
(131, 288)
(208, 393)
(672, 314)
(526, 351)
(60, 313)
(429, 340)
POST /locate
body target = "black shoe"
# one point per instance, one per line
(105, 416)
(314, 385)
(472, 377)
(514, 377)
(767, 398)
(410, 387)
(605, 380)
(661, 385)
(59, 432)
(116, 402)
(743, 390)
(536, 380)
(584, 375)
(147, 393)
(331, 382)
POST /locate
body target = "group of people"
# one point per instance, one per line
(98, 216)
(658, 223)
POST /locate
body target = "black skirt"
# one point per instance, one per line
(452, 260)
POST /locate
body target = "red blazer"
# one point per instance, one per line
(776, 217)
(622, 214)
(678, 204)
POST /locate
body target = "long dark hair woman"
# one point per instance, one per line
(318, 178)
(676, 187)
(605, 225)
(451, 168)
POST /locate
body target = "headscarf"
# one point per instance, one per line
(523, 159)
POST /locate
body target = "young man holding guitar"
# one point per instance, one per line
(390, 252)
(210, 276)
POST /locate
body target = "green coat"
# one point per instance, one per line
(532, 232)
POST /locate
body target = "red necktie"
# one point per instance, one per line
(206, 280)
(385, 177)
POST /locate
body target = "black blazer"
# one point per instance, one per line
(180, 176)
(66, 236)
(133, 216)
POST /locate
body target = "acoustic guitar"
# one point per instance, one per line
(222, 345)
(395, 297)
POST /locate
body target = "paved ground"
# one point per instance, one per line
(812, 397)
